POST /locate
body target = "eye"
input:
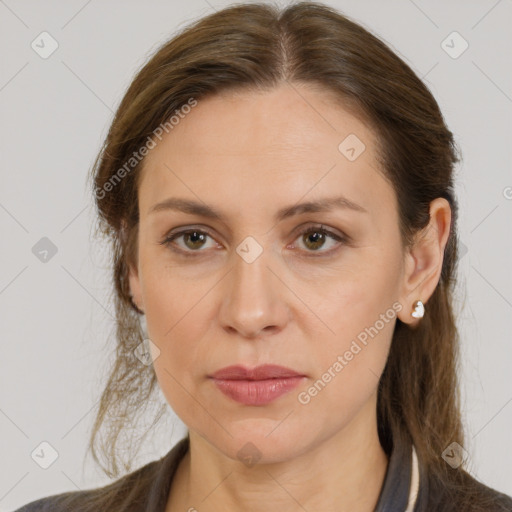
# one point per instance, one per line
(193, 239)
(314, 237)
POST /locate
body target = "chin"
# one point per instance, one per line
(260, 442)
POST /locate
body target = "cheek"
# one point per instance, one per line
(349, 367)
(172, 307)
(357, 298)
(173, 313)
(173, 310)
(360, 311)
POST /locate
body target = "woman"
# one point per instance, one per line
(278, 190)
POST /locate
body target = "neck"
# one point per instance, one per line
(344, 472)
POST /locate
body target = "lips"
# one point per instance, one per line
(257, 387)
(264, 372)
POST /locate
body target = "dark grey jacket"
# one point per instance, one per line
(156, 478)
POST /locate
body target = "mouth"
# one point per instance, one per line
(258, 386)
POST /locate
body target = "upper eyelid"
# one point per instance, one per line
(178, 232)
(302, 227)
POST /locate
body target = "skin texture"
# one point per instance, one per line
(250, 154)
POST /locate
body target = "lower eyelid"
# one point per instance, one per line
(169, 240)
(341, 240)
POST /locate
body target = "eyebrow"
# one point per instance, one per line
(201, 209)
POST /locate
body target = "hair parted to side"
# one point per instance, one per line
(257, 47)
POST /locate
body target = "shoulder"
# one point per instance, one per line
(146, 488)
(125, 493)
(50, 503)
(465, 493)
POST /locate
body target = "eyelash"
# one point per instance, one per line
(343, 239)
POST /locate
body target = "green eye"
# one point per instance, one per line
(194, 240)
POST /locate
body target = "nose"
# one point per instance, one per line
(254, 298)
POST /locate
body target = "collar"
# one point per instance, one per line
(401, 485)
(415, 482)
(399, 492)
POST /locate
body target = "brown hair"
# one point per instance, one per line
(257, 47)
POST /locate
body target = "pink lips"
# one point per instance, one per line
(258, 386)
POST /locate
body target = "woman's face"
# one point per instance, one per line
(248, 288)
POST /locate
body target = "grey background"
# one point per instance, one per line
(57, 316)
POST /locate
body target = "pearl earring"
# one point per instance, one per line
(419, 309)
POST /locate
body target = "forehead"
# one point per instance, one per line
(298, 117)
(289, 141)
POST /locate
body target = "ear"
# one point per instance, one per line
(135, 287)
(133, 274)
(424, 260)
